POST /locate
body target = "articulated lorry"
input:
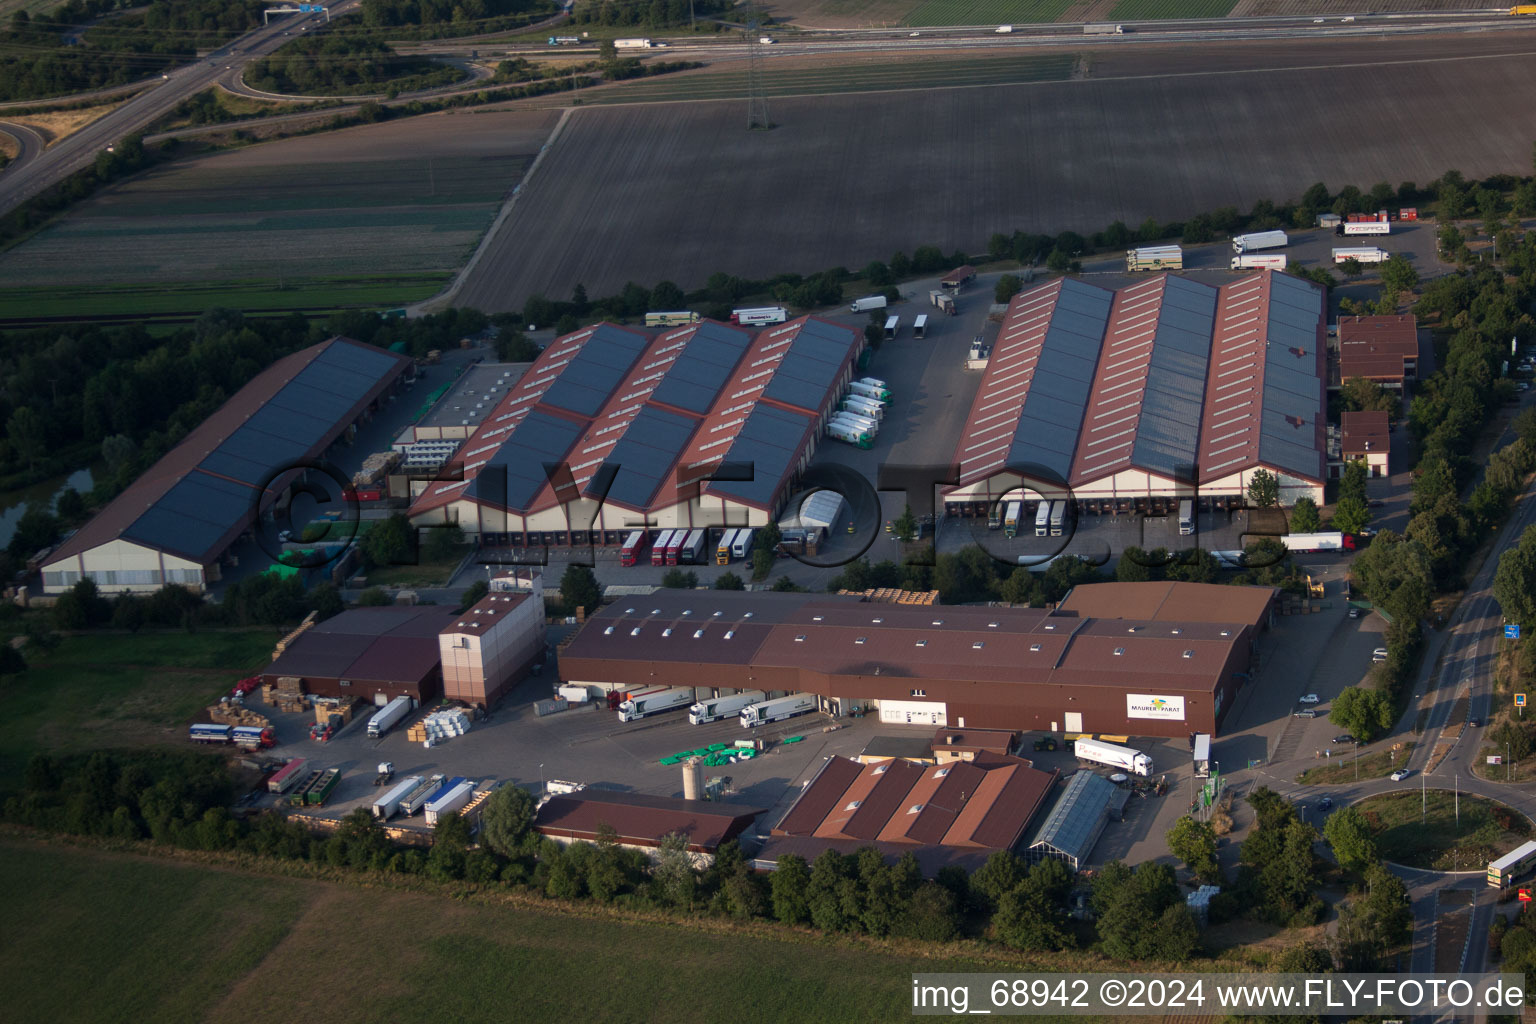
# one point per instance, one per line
(767, 711)
(1261, 261)
(386, 806)
(1318, 542)
(1113, 755)
(388, 717)
(1366, 227)
(1155, 257)
(723, 707)
(1361, 254)
(867, 303)
(1259, 240)
(653, 701)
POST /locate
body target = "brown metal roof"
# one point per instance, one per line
(367, 645)
(1366, 432)
(1169, 602)
(984, 804)
(1389, 333)
(947, 738)
(485, 614)
(142, 495)
(642, 820)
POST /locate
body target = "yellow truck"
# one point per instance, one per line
(1523, 9)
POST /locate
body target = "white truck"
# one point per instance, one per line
(1361, 254)
(848, 434)
(1154, 257)
(1367, 227)
(450, 801)
(865, 423)
(653, 700)
(865, 391)
(417, 798)
(1113, 755)
(742, 544)
(388, 717)
(1103, 30)
(385, 806)
(1261, 261)
(631, 44)
(861, 406)
(767, 711)
(723, 707)
(1259, 240)
(1309, 542)
(868, 303)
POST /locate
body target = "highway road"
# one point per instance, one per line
(76, 151)
(28, 139)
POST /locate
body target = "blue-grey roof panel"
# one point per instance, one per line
(1076, 820)
(644, 456)
(192, 516)
(1280, 377)
(768, 441)
(594, 371)
(370, 363)
(538, 439)
(1083, 330)
(797, 391)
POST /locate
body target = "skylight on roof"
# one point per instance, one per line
(687, 611)
(991, 625)
(1176, 632)
(880, 769)
(667, 631)
(1034, 647)
(629, 611)
(941, 773)
(815, 618)
(853, 806)
(859, 640)
(978, 645)
(877, 620)
(1189, 654)
(921, 643)
(635, 631)
(1225, 633)
(748, 615)
(916, 808)
(938, 622)
(698, 633)
(800, 639)
(717, 615)
(730, 633)
(608, 631)
(1119, 651)
(1050, 625)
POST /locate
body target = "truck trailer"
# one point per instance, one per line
(1308, 542)
(629, 554)
(1155, 257)
(287, 776)
(866, 390)
(1113, 755)
(1259, 240)
(1103, 30)
(849, 435)
(451, 801)
(1202, 754)
(1043, 519)
(631, 44)
(1261, 261)
(943, 302)
(659, 549)
(675, 546)
(654, 700)
(741, 547)
(761, 316)
(692, 551)
(1361, 254)
(386, 806)
(419, 797)
(868, 303)
(767, 711)
(388, 717)
(254, 737)
(723, 707)
(723, 548)
(205, 732)
(866, 407)
(1366, 227)
(321, 791)
(1011, 516)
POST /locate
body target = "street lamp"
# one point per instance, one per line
(541, 780)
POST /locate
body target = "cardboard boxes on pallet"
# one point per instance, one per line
(344, 706)
(235, 714)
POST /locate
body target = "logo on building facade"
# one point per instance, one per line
(1146, 705)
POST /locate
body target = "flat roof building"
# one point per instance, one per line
(1135, 398)
(908, 748)
(1367, 437)
(969, 744)
(176, 521)
(642, 821)
(489, 648)
(1018, 669)
(376, 654)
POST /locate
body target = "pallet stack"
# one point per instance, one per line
(343, 706)
(236, 714)
(287, 695)
(439, 727)
(285, 642)
(894, 595)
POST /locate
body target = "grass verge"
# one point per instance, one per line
(1436, 830)
(1343, 768)
(425, 573)
(115, 690)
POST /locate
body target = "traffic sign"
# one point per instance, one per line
(1511, 631)
(1519, 700)
(1525, 895)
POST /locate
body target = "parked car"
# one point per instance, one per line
(1354, 613)
(1325, 804)
(1305, 713)
(1310, 698)
(1379, 654)
(1346, 738)
(1400, 775)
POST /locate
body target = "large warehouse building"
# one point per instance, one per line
(1134, 399)
(174, 524)
(376, 654)
(641, 424)
(970, 667)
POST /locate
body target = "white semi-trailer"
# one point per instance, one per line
(754, 715)
(1113, 755)
(1260, 261)
(388, 717)
(1259, 240)
(723, 707)
(653, 701)
(385, 806)
(1361, 254)
(450, 801)
(1368, 227)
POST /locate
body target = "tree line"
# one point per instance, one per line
(453, 13)
(327, 63)
(655, 14)
(68, 51)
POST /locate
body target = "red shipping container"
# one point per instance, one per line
(1408, 213)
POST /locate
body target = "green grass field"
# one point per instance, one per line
(168, 941)
(986, 12)
(427, 573)
(119, 690)
(252, 296)
(1152, 10)
(946, 73)
(1436, 838)
(1341, 767)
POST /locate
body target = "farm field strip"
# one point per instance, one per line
(1152, 10)
(986, 12)
(1167, 139)
(328, 292)
(851, 78)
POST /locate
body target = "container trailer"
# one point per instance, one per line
(287, 775)
(723, 548)
(716, 708)
(1155, 257)
(1261, 261)
(1361, 254)
(418, 797)
(1113, 755)
(868, 303)
(207, 733)
(653, 701)
(659, 549)
(742, 545)
(451, 801)
(767, 711)
(633, 545)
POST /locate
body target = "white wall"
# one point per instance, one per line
(122, 566)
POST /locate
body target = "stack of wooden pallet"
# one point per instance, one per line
(235, 714)
(287, 695)
(417, 733)
(343, 706)
(285, 642)
(895, 595)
